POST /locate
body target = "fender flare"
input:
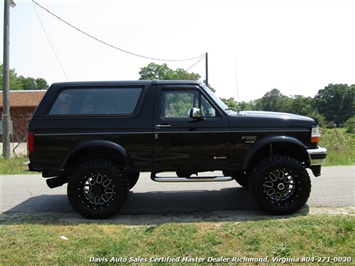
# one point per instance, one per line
(94, 144)
(267, 141)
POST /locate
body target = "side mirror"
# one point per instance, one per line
(195, 113)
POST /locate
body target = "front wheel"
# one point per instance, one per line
(280, 185)
(98, 189)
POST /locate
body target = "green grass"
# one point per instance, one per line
(13, 166)
(340, 145)
(312, 236)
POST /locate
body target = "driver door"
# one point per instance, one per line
(184, 143)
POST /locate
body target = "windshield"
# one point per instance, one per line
(217, 100)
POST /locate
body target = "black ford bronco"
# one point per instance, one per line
(99, 136)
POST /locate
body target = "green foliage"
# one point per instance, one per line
(333, 105)
(350, 125)
(241, 106)
(340, 146)
(299, 104)
(232, 104)
(163, 72)
(13, 166)
(321, 119)
(273, 101)
(14, 82)
(33, 84)
(21, 83)
(336, 102)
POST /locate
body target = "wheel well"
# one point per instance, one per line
(89, 153)
(278, 148)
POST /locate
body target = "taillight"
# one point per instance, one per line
(31, 142)
(315, 134)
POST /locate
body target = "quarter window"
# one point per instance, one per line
(96, 101)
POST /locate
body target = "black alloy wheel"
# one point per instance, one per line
(98, 189)
(280, 185)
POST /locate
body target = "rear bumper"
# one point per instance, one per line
(317, 156)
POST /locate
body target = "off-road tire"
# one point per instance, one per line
(280, 185)
(98, 189)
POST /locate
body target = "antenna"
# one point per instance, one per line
(236, 79)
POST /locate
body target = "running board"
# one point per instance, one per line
(191, 179)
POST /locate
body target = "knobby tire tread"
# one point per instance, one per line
(257, 176)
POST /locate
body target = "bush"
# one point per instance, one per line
(350, 125)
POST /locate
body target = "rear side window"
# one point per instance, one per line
(96, 101)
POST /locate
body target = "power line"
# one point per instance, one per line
(202, 57)
(112, 46)
(50, 43)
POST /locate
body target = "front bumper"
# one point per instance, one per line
(317, 156)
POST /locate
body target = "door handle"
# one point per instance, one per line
(162, 126)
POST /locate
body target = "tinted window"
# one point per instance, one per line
(176, 104)
(96, 101)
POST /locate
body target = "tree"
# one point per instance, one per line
(33, 84)
(235, 106)
(336, 102)
(14, 82)
(41, 84)
(28, 83)
(163, 72)
(299, 104)
(231, 103)
(22, 83)
(273, 101)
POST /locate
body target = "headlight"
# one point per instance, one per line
(315, 134)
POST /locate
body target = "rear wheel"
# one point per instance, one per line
(98, 189)
(280, 185)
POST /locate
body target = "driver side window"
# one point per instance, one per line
(177, 103)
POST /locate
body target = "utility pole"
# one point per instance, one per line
(5, 89)
(206, 61)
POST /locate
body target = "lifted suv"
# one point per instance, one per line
(98, 137)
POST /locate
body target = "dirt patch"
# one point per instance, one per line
(350, 210)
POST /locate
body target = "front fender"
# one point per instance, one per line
(100, 145)
(265, 142)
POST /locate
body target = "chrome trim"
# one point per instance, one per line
(196, 179)
(317, 156)
(162, 126)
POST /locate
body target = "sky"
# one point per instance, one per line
(253, 46)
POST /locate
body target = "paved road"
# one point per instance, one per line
(30, 194)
